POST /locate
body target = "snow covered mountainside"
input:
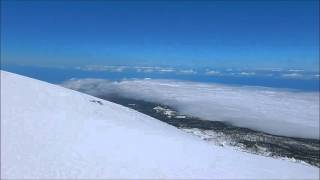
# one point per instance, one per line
(48, 131)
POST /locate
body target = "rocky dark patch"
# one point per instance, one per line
(307, 150)
(96, 101)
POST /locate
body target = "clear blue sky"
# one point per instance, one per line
(238, 34)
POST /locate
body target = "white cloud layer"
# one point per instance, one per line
(280, 112)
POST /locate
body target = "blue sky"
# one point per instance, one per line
(217, 34)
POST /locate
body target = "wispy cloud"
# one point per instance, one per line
(295, 70)
(188, 71)
(103, 68)
(166, 70)
(212, 73)
(155, 69)
(144, 69)
(292, 75)
(247, 73)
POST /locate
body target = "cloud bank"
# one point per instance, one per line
(279, 112)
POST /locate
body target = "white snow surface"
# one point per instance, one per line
(48, 131)
(272, 110)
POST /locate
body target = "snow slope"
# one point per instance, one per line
(51, 132)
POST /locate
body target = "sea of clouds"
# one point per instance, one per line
(275, 111)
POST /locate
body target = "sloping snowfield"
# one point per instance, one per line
(271, 110)
(51, 132)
